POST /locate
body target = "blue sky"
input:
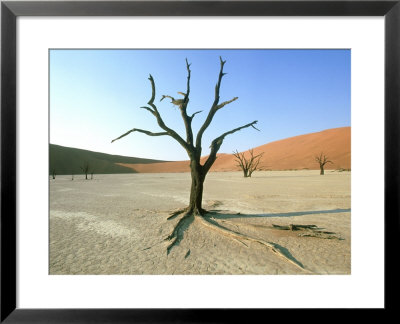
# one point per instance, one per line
(95, 96)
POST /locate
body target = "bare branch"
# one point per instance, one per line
(160, 121)
(165, 96)
(240, 159)
(149, 109)
(182, 103)
(140, 131)
(197, 112)
(176, 102)
(219, 139)
(254, 162)
(322, 159)
(226, 102)
(216, 144)
(213, 108)
(186, 95)
(153, 93)
(155, 113)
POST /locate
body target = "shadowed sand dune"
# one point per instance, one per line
(70, 160)
(291, 153)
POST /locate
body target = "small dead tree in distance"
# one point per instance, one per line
(248, 165)
(85, 169)
(53, 173)
(322, 159)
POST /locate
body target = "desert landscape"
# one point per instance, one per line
(240, 194)
(117, 224)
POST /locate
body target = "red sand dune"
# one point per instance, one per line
(288, 154)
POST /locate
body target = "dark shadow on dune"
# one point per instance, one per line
(219, 214)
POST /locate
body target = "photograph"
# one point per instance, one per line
(199, 161)
(193, 161)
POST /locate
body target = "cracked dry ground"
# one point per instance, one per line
(116, 224)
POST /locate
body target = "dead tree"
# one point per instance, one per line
(191, 144)
(53, 173)
(85, 169)
(248, 165)
(322, 160)
(193, 147)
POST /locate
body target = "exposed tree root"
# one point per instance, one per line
(187, 211)
(187, 254)
(189, 216)
(323, 235)
(178, 231)
(293, 227)
(176, 213)
(277, 249)
(308, 231)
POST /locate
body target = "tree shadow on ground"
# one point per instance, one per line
(221, 214)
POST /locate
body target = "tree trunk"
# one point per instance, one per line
(322, 170)
(196, 191)
(245, 173)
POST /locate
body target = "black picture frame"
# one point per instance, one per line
(10, 10)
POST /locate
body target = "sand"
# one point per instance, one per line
(116, 224)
